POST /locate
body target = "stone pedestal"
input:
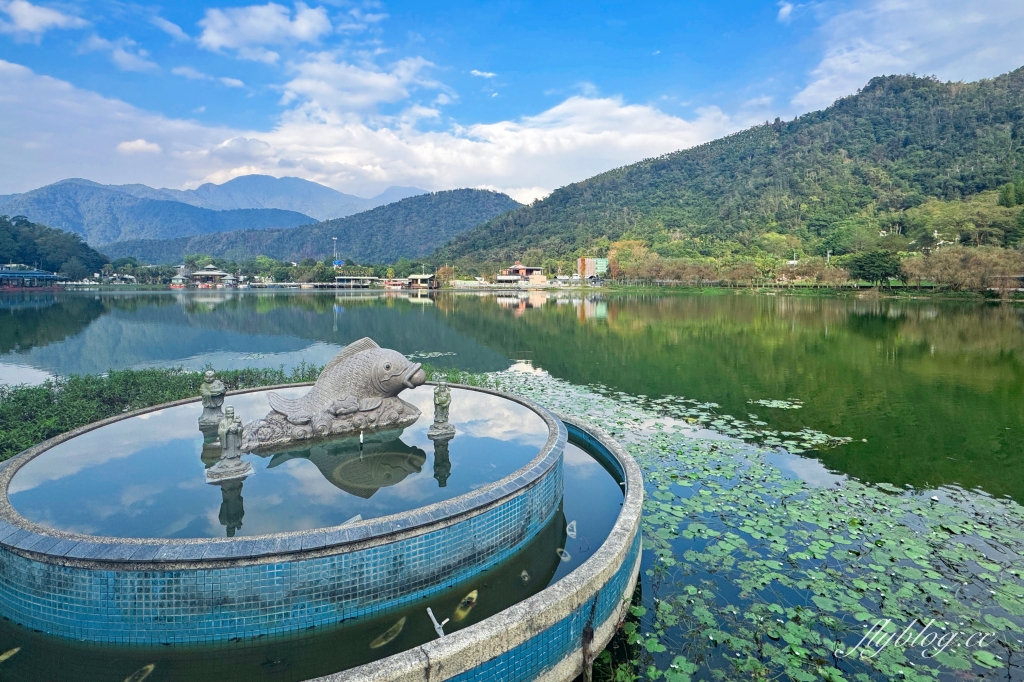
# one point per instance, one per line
(226, 470)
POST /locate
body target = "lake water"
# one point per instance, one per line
(929, 391)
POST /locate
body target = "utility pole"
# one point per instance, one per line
(335, 251)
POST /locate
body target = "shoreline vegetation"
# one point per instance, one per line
(30, 415)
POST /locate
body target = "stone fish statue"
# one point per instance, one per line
(358, 390)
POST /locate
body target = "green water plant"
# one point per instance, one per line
(750, 573)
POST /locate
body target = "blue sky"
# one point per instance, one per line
(517, 96)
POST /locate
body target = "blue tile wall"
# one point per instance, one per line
(211, 604)
(551, 646)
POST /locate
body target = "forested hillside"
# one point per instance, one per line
(27, 243)
(410, 228)
(877, 170)
(102, 214)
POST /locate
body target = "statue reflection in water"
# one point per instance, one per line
(360, 469)
(358, 465)
(229, 470)
(231, 507)
(441, 433)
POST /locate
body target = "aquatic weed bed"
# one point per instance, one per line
(749, 574)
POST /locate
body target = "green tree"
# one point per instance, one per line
(1008, 196)
(75, 269)
(126, 264)
(875, 266)
(1013, 234)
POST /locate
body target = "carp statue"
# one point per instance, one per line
(357, 391)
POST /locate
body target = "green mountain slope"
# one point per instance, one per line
(410, 228)
(104, 214)
(818, 183)
(27, 243)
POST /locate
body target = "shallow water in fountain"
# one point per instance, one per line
(143, 477)
(592, 500)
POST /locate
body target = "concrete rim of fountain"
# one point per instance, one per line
(39, 542)
(521, 632)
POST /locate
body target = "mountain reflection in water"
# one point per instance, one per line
(930, 391)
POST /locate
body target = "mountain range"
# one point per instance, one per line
(411, 228)
(265, 191)
(894, 162)
(102, 214)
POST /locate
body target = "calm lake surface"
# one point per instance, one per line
(930, 391)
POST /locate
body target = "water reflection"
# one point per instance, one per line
(360, 469)
(141, 477)
(86, 333)
(935, 387)
(232, 507)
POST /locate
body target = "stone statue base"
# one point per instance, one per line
(275, 431)
(210, 418)
(441, 431)
(229, 470)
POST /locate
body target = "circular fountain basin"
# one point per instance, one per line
(111, 533)
(530, 572)
(142, 477)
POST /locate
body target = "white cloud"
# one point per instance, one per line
(785, 12)
(358, 21)
(325, 84)
(190, 73)
(197, 75)
(249, 29)
(527, 157)
(139, 146)
(170, 28)
(28, 19)
(951, 39)
(51, 130)
(483, 74)
(120, 53)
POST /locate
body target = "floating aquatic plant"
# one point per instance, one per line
(779, 404)
(749, 574)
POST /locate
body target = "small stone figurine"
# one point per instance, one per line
(441, 432)
(224, 424)
(442, 403)
(212, 392)
(231, 464)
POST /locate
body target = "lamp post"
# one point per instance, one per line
(335, 251)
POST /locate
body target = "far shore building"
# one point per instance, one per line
(423, 281)
(209, 277)
(16, 276)
(521, 274)
(592, 268)
(355, 281)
